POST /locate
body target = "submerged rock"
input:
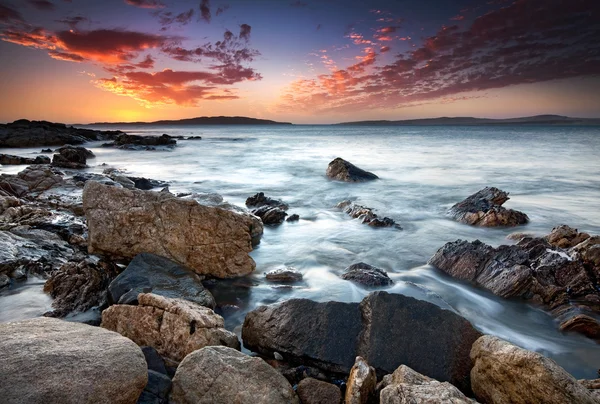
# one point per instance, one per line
(367, 275)
(209, 240)
(224, 375)
(505, 373)
(47, 360)
(342, 170)
(366, 215)
(293, 218)
(258, 200)
(149, 273)
(484, 208)
(174, 327)
(7, 159)
(71, 157)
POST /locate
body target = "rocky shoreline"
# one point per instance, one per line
(137, 260)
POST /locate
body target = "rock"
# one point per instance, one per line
(224, 375)
(405, 386)
(270, 215)
(565, 236)
(313, 391)
(153, 359)
(484, 208)
(149, 273)
(209, 240)
(387, 330)
(4, 280)
(193, 138)
(33, 179)
(367, 275)
(47, 360)
(127, 140)
(147, 183)
(157, 390)
(174, 327)
(518, 236)
(7, 159)
(342, 170)
(293, 218)
(505, 373)
(366, 215)
(260, 200)
(361, 384)
(80, 286)
(71, 157)
(286, 274)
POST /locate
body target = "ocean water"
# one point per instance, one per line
(552, 174)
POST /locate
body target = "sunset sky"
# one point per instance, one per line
(302, 61)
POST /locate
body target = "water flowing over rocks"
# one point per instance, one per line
(504, 373)
(362, 382)
(224, 375)
(149, 273)
(174, 327)
(387, 330)
(367, 275)
(52, 361)
(484, 208)
(210, 240)
(560, 280)
(342, 170)
(286, 274)
(366, 215)
(313, 391)
(8, 159)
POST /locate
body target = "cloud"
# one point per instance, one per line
(245, 31)
(44, 5)
(73, 21)
(147, 63)
(205, 10)
(222, 9)
(9, 15)
(167, 18)
(145, 3)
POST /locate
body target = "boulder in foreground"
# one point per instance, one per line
(484, 208)
(45, 360)
(342, 170)
(224, 375)
(209, 240)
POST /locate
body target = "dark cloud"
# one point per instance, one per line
(73, 21)
(145, 3)
(42, 4)
(147, 63)
(245, 31)
(205, 10)
(222, 9)
(167, 18)
(9, 15)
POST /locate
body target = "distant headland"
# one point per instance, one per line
(202, 120)
(470, 121)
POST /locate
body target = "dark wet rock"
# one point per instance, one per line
(24, 133)
(559, 280)
(367, 275)
(287, 274)
(259, 200)
(387, 330)
(293, 218)
(85, 177)
(154, 361)
(366, 215)
(46, 151)
(7, 159)
(342, 170)
(147, 183)
(270, 215)
(313, 391)
(151, 273)
(163, 140)
(80, 286)
(193, 138)
(4, 280)
(157, 389)
(71, 157)
(33, 179)
(484, 208)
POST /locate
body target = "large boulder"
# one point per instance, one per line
(387, 330)
(8, 159)
(32, 179)
(224, 375)
(210, 240)
(484, 208)
(51, 361)
(366, 215)
(405, 386)
(342, 170)
(505, 373)
(149, 273)
(174, 327)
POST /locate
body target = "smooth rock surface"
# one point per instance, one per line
(342, 170)
(484, 208)
(313, 391)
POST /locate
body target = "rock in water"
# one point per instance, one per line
(46, 360)
(174, 327)
(504, 373)
(342, 170)
(7, 159)
(149, 273)
(313, 391)
(484, 208)
(286, 274)
(209, 240)
(405, 386)
(258, 200)
(71, 157)
(387, 330)
(366, 215)
(367, 275)
(224, 375)
(37, 178)
(361, 383)
(270, 215)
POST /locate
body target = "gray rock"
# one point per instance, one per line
(4, 280)
(367, 275)
(258, 200)
(33, 179)
(342, 170)
(366, 215)
(71, 157)
(154, 361)
(8, 159)
(270, 215)
(286, 274)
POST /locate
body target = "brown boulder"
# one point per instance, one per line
(484, 208)
(342, 170)
(361, 384)
(313, 391)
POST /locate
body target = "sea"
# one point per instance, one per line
(551, 172)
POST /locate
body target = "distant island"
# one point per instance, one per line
(202, 120)
(470, 121)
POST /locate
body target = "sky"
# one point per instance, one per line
(300, 61)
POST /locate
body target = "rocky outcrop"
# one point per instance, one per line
(209, 240)
(342, 170)
(135, 142)
(387, 330)
(33, 179)
(286, 274)
(313, 391)
(71, 157)
(367, 275)
(360, 388)
(366, 215)
(405, 386)
(504, 373)
(24, 133)
(224, 375)
(258, 200)
(484, 208)
(47, 360)
(149, 273)
(560, 280)
(174, 327)
(270, 215)
(8, 159)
